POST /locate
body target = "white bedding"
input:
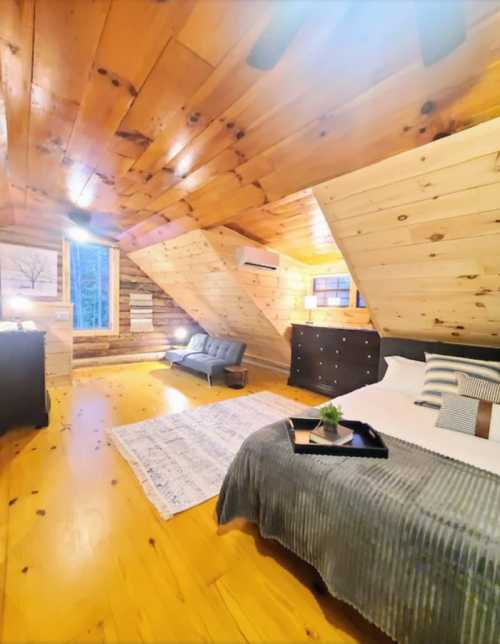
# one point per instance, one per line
(395, 414)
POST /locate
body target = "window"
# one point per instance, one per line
(332, 290)
(360, 301)
(92, 285)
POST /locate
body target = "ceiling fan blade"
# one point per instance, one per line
(274, 40)
(441, 28)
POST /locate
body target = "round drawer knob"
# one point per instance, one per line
(319, 378)
(343, 339)
(366, 341)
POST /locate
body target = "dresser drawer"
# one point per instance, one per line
(333, 361)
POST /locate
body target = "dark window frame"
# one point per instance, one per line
(333, 287)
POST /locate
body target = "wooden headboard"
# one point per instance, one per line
(416, 349)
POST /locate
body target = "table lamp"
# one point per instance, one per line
(310, 303)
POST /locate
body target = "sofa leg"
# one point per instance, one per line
(209, 378)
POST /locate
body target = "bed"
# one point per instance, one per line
(412, 542)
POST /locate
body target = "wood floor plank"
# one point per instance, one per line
(85, 557)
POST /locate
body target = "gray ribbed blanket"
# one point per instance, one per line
(412, 542)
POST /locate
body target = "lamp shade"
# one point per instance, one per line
(310, 302)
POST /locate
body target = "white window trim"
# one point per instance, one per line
(114, 287)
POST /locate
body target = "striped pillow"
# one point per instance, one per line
(441, 376)
(475, 417)
(478, 388)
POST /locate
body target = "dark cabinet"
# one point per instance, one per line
(23, 396)
(333, 361)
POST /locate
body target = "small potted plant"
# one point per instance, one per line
(330, 417)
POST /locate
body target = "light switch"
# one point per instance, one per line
(62, 315)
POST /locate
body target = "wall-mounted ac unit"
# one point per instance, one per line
(258, 258)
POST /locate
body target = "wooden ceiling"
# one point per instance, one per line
(147, 113)
(294, 225)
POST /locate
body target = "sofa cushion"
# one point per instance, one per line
(197, 342)
(176, 355)
(209, 365)
(230, 351)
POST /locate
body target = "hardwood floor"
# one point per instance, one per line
(84, 556)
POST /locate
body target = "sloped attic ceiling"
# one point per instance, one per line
(200, 272)
(420, 232)
(154, 111)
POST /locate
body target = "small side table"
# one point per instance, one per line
(236, 377)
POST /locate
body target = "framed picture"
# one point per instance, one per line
(29, 271)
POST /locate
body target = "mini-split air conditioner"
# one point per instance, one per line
(258, 258)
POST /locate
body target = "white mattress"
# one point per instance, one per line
(395, 414)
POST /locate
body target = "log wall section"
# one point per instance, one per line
(167, 316)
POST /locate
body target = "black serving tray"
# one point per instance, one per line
(366, 442)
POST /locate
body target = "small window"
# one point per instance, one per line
(332, 290)
(360, 301)
(91, 286)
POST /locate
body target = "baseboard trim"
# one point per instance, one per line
(281, 367)
(123, 358)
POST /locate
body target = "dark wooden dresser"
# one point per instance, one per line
(333, 361)
(23, 395)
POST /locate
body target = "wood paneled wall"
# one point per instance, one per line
(167, 316)
(350, 316)
(420, 233)
(200, 271)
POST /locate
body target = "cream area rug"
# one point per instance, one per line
(181, 459)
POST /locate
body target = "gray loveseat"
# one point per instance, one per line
(208, 355)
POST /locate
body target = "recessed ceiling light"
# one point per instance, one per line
(78, 234)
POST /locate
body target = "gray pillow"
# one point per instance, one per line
(197, 342)
(470, 416)
(478, 388)
(440, 376)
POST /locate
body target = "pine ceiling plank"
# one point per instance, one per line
(432, 273)
(329, 132)
(462, 202)
(16, 59)
(303, 57)
(263, 95)
(174, 79)
(372, 135)
(67, 32)
(130, 241)
(6, 211)
(134, 36)
(229, 80)
(217, 25)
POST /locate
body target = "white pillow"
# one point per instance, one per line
(403, 375)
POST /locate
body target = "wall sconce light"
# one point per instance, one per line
(19, 305)
(310, 303)
(180, 333)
